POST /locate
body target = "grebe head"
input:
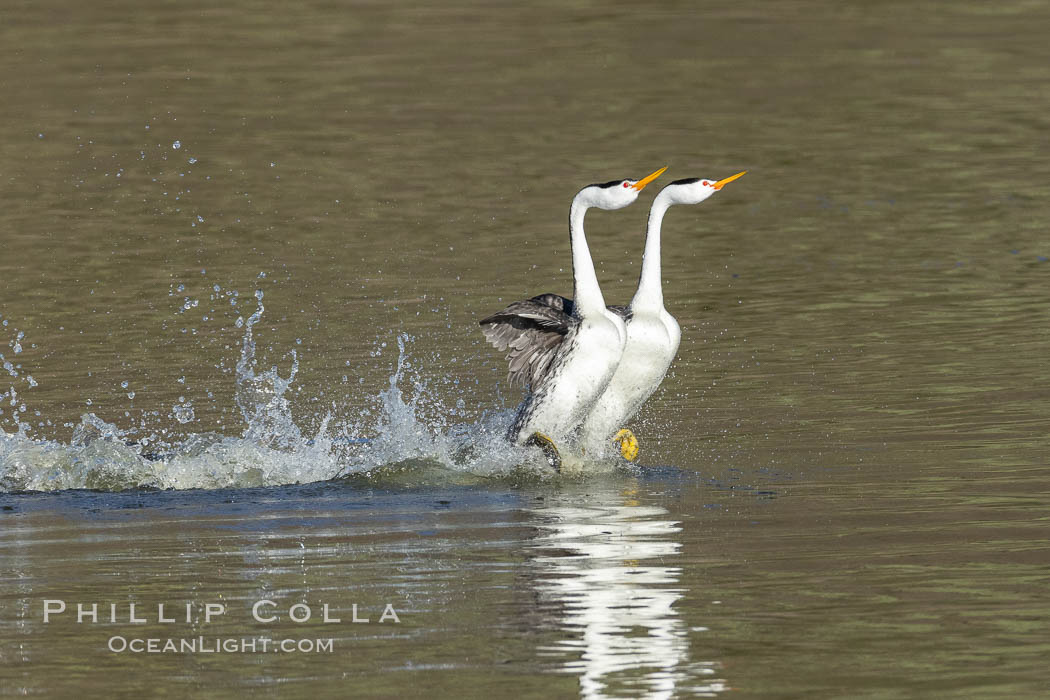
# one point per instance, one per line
(694, 190)
(616, 194)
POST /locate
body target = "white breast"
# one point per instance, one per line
(652, 342)
(584, 367)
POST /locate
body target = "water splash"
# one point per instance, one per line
(411, 430)
(16, 405)
(260, 396)
(405, 434)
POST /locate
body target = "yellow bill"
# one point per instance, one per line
(640, 185)
(722, 183)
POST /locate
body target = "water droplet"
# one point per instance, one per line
(183, 412)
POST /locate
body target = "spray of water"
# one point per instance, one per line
(411, 431)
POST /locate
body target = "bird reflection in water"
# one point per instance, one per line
(605, 566)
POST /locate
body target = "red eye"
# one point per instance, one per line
(626, 184)
(706, 183)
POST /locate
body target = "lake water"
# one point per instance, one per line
(254, 242)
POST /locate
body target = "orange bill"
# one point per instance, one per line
(722, 183)
(640, 185)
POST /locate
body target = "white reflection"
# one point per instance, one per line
(607, 566)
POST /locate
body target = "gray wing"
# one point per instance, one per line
(531, 332)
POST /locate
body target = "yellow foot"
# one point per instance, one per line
(550, 451)
(627, 443)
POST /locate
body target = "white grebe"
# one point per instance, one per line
(566, 351)
(652, 333)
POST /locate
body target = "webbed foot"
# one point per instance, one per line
(550, 451)
(627, 443)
